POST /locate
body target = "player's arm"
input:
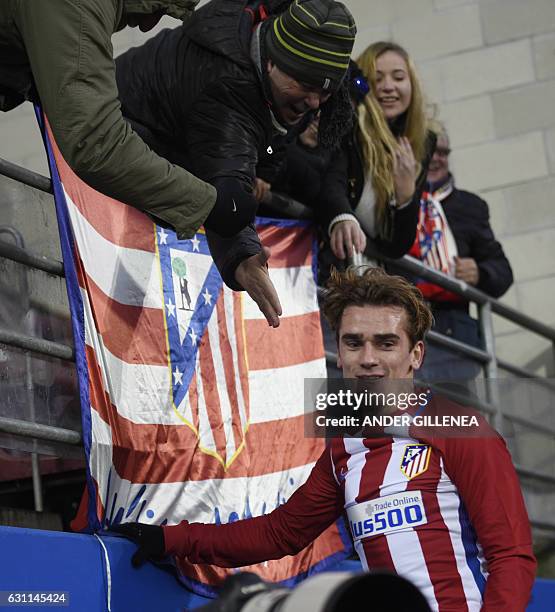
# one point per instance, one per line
(482, 470)
(285, 531)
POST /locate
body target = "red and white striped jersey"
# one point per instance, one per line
(445, 513)
(410, 505)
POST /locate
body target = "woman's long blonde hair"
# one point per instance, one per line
(377, 141)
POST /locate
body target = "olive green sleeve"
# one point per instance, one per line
(70, 51)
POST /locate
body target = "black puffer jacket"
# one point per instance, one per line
(197, 92)
(302, 173)
(297, 181)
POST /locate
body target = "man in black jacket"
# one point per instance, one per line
(454, 235)
(214, 95)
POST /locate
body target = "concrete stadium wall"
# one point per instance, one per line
(489, 65)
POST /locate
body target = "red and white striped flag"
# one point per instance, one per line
(192, 406)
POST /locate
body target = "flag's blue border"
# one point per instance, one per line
(77, 315)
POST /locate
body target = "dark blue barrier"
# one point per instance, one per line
(51, 561)
(543, 596)
(33, 560)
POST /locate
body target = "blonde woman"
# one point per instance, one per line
(374, 182)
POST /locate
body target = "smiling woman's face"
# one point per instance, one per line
(374, 343)
(393, 88)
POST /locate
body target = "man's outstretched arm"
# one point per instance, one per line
(226, 152)
(70, 52)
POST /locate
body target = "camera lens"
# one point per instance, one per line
(340, 591)
(326, 592)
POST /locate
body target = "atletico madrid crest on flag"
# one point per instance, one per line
(193, 289)
(415, 460)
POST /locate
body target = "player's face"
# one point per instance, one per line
(293, 99)
(374, 344)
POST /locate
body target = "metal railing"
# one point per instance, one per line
(17, 252)
(486, 356)
(27, 177)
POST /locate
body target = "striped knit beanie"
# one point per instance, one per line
(312, 41)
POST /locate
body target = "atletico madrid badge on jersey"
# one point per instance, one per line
(415, 460)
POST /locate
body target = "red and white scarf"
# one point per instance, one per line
(434, 243)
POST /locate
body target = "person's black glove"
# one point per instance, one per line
(149, 539)
(234, 209)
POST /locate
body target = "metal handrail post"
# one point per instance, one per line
(491, 369)
(32, 260)
(37, 345)
(355, 260)
(35, 462)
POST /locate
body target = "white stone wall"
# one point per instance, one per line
(489, 65)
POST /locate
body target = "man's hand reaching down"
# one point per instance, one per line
(252, 274)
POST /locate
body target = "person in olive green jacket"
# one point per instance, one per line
(59, 52)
